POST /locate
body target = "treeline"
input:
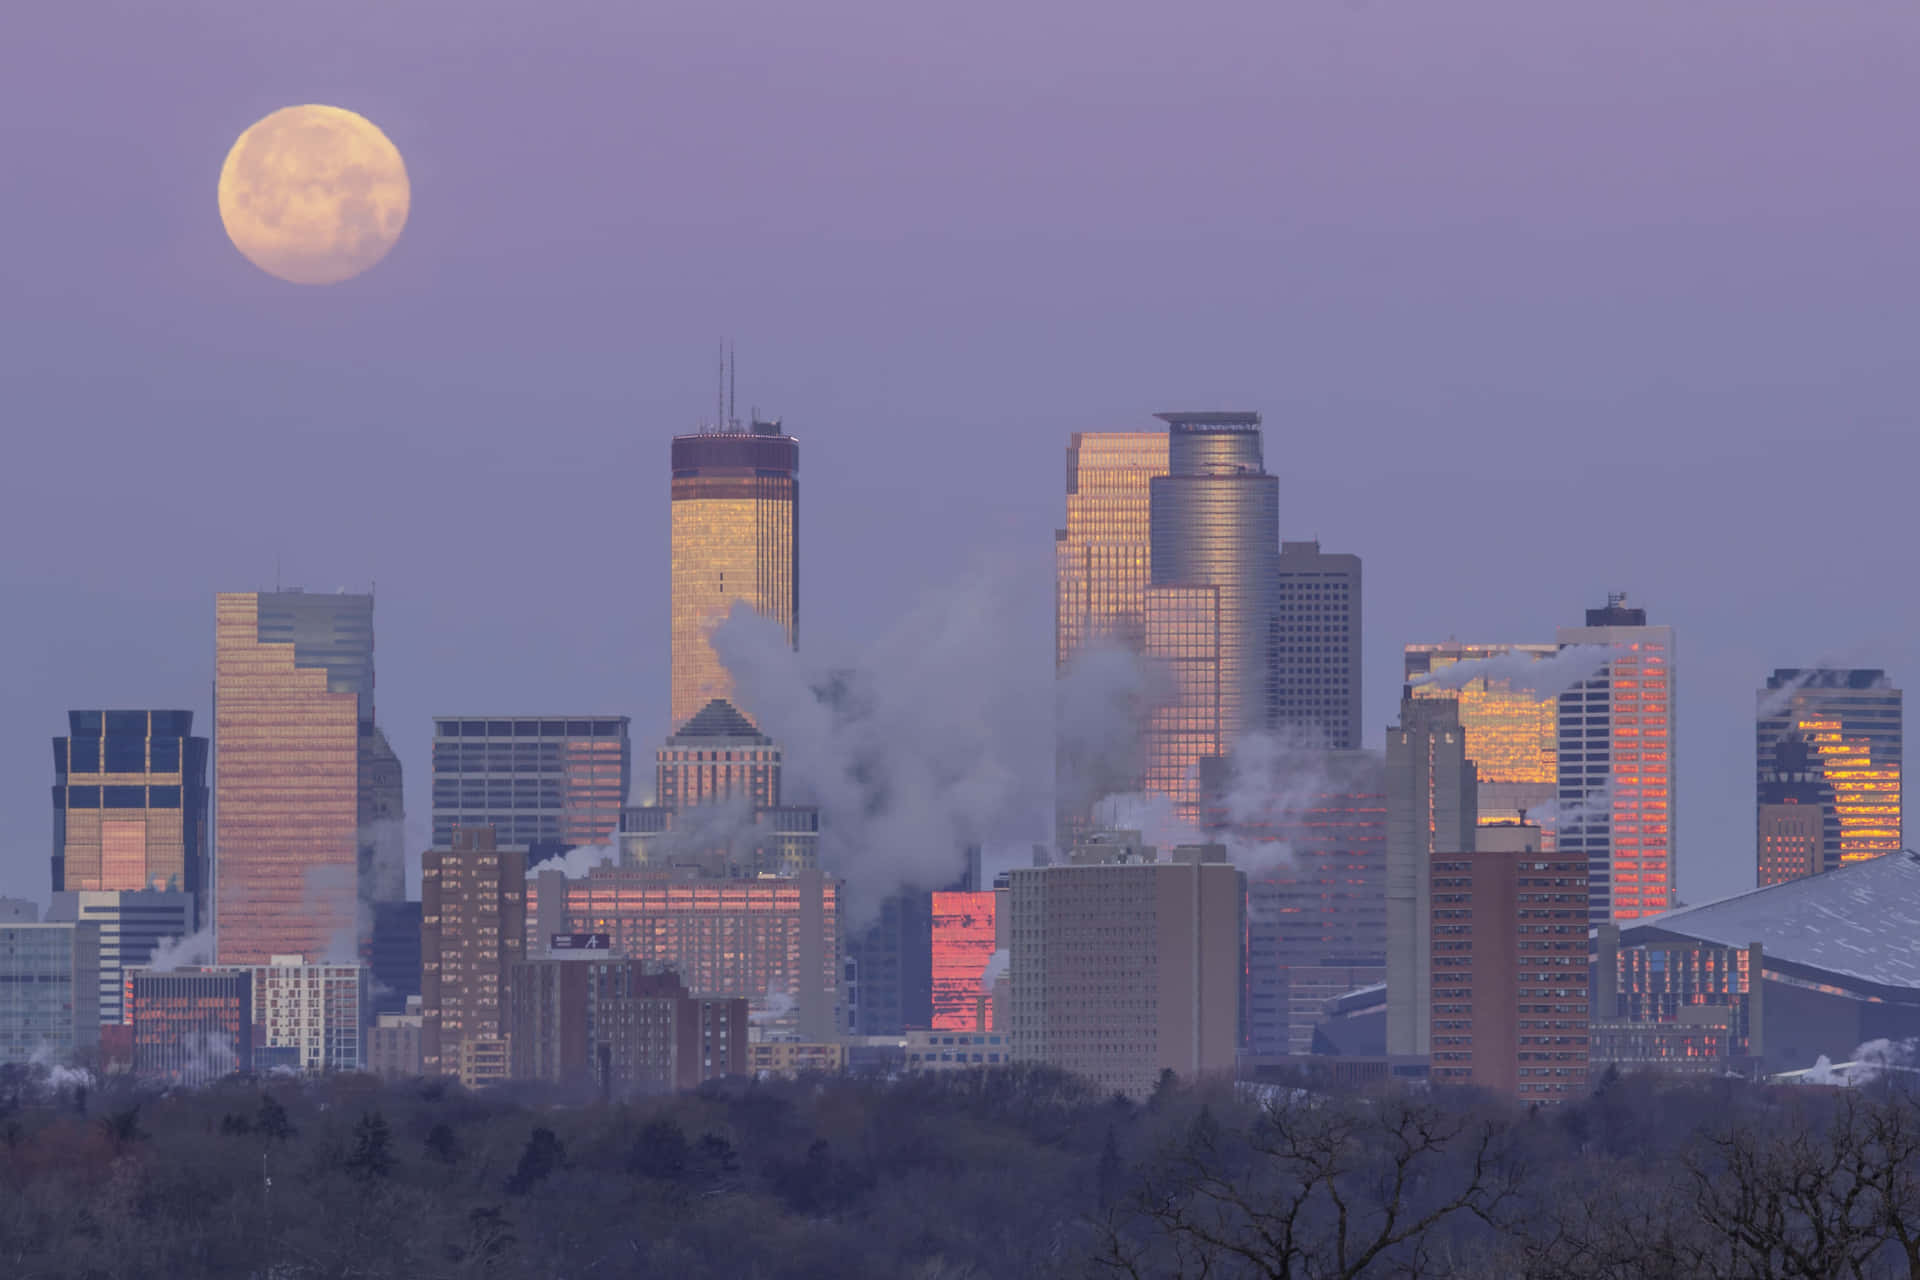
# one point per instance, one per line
(1011, 1173)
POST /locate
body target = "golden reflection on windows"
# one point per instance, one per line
(734, 540)
(1101, 558)
(1511, 732)
(1866, 795)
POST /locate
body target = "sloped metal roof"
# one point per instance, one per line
(1860, 922)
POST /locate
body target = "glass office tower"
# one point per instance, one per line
(129, 802)
(736, 539)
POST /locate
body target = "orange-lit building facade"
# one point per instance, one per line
(1512, 731)
(1617, 787)
(1101, 558)
(1510, 1006)
(130, 803)
(473, 927)
(1187, 725)
(1102, 564)
(736, 540)
(962, 947)
(286, 781)
(772, 940)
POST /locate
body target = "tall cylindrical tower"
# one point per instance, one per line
(1214, 521)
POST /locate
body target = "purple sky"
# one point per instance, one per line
(1537, 303)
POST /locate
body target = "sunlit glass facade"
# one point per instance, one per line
(736, 539)
(1852, 720)
(1616, 786)
(286, 784)
(962, 947)
(1512, 732)
(531, 778)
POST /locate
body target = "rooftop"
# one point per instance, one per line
(1861, 921)
(718, 719)
(1211, 421)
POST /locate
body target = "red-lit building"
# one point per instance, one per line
(962, 947)
(1510, 967)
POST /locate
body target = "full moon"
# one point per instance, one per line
(313, 194)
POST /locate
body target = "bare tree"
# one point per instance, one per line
(1315, 1189)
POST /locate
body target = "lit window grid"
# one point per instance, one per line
(963, 945)
(1512, 734)
(1184, 639)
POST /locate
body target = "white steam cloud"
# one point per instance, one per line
(174, 953)
(1522, 672)
(938, 737)
(578, 861)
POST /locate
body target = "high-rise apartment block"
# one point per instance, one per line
(963, 945)
(191, 1025)
(1432, 797)
(533, 779)
(587, 1019)
(49, 993)
(473, 926)
(132, 927)
(308, 1016)
(1851, 721)
(1122, 967)
(1316, 660)
(130, 803)
(1509, 997)
(736, 540)
(1617, 797)
(293, 698)
(1512, 729)
(774, 941)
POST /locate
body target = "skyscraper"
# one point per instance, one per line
(533, 779)
(1511, 728)
(130, 803)
(1617, 789)
(1213, 524)
(1431, 806)
(736, 540)
(1101, 571)
(473, 926)
(291, 675)
(1852, 721)
(1510, 967)
(1316, 644)
(963, 945)
(1102, 559)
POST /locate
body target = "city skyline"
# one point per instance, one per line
(935, 342)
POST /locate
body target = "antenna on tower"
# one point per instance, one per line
(720, 390)
(733, 372)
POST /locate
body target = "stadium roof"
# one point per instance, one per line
(1860, 922)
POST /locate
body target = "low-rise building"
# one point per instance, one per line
(585, 1019)
(788, 1058)
(311, 1012)
(393, 1043)
(956, 1050)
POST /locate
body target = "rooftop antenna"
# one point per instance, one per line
(720, 389)
(733, 372)
(276, 573)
